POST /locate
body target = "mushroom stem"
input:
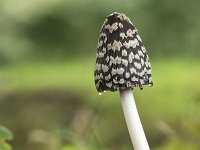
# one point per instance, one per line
(133, 122)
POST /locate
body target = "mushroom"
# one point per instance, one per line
(122, 64)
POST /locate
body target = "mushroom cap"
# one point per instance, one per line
(121, 60)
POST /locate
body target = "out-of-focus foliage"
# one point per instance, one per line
(43, 28)
(175, 144)
(5, 134)
(56, 108)
(47, 93)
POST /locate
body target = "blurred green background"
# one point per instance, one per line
(47, 93)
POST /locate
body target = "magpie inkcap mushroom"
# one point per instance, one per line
(121, 60)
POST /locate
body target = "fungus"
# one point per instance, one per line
(122, 64)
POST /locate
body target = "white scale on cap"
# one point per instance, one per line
(121, 56)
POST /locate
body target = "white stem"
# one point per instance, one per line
(133, 122)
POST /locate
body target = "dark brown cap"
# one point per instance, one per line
(121, 60)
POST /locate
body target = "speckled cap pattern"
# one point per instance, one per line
(121, 60)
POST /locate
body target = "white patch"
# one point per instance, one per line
(105, 68)
(107, 59)
(122, 35)
(134, 79)
(137, 65)
(131, 43)
(108, 77)
(140, 53)
(97, 85)
(131, 57)
(142, 61)
(115, 61)
(115, 81)
(120, 17)
(102, 34)
(126, 44)
(145, 76)
(134, 43)
(118, 60)
(142, 81)
(128, 84)
(116, 46)
(101, 54)
(149, 71)
(125, 62)
(123, 17)
(138, 37)
(105, 40)
(121, 81)
(100, 43)
(129, 33)
(121, 25)
(147, 57)
(134, 31)
(113, 27)
(143, 49)
(146, 64)
(109, 46)
(107, 26)
(133, 70)
(120, 70)
(98, 66)
(112, 60)
(137, 57)
(104, 23)
(117, 71)
(98, 77)
(145, 69)
(127, 75)
(150, 80)
(109, 85)
(114, 71)
(124, 53)
(101, 76)
(141, 74)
